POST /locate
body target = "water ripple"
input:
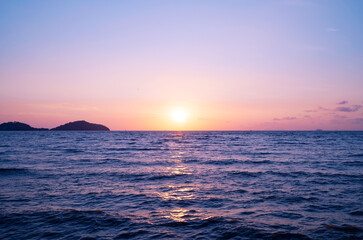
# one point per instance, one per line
(181, 185)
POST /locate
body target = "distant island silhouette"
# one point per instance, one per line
(71, 126)
(81, 126)
(18, 126)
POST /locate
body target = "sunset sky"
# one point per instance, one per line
(183, 65)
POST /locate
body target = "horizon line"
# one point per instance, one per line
(315, 130)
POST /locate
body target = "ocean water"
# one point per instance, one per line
(181, 185)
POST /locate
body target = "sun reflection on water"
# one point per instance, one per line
(184, 191)
(178, 170)
(184, 215)
(178, 193)
(178, 156)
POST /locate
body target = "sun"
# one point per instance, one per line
(179, 115)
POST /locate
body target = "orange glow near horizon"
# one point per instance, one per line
(194, 115)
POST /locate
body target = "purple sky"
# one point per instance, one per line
(228, 65)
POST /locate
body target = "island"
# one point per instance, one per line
(81, 126)
(18, 126)
(71, 126)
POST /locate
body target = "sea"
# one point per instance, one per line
(181, 185)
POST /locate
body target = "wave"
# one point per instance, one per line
(246, 173)
(344, 228)
(295, 174)
(133, 149)
(8, 171)
(298, 174)
(166, 176)
(260, 173)
(356, 155)
(72, 150)
(238, 191)
(235, 161)
(94, 224)
(354, 163)
(222, 162)
(262, 153)
(67, 223)
(287, 215)
(259, 162)
(356, 213)
(283, 197)
(291, 143)
(132, 176)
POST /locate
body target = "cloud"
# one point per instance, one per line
(353, 108)
(310, 110)
(317, 110)
(340, 117)
(357, 121)
(332, 29)
(285, 118)
(323, 109)
(347, 109)
(342, 102)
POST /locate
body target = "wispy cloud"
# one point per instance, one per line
(285, 118)
(332, 29)
(353, 108)
(357, 120)
(342, 102)
(340, 117)
(317, 110)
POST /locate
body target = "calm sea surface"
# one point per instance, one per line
(181, 185)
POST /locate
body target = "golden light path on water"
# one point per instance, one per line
(180, 192)
(183, 215)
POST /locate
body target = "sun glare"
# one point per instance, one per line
(179, 116)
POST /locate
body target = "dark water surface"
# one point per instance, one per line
(181, 185)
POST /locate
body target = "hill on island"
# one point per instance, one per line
(81, 126)
(71, 126)
(18, 126)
